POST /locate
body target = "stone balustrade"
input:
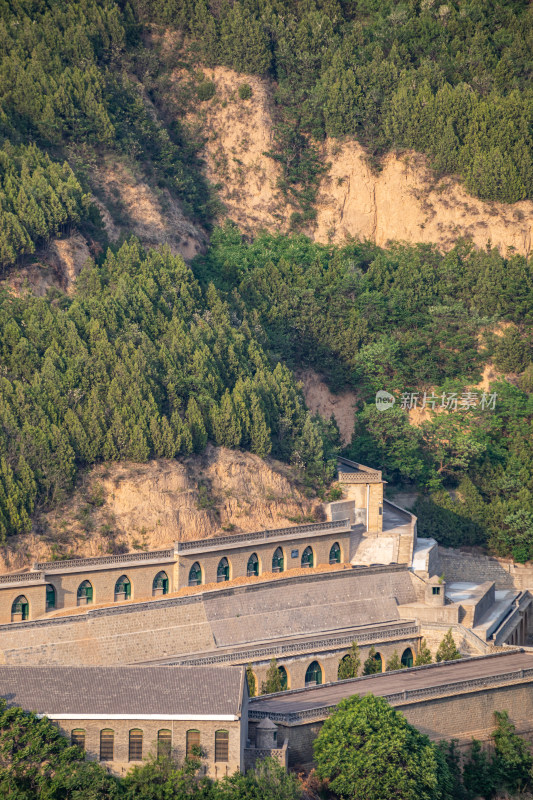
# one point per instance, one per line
(22, 578)
(291, 648)
(155, 556)
(358, 477)
(243, 539)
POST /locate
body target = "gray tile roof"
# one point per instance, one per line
(171, 690)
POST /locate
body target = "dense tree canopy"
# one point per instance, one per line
(450, 80)
(139, 364)
(419, 324)
(368, 751)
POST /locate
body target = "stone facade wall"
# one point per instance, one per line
(66, 587)
(460, 717)
(296, 666)
(358, 492)
(459, 566)
(238, 556)
(120, 764)
(110, 636)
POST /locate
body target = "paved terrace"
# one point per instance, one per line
(399, 688)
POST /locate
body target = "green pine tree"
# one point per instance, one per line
(350, 663)
(447, 650)
(273, 682)
(424, 655)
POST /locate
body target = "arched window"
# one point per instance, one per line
(379, 662)
(160, 584)
(221, 745)
(307, 557)
(284, 678)
(77, 738)
(407, 658)
(122, 588)
(20, 610)
(277, 560)
(195, 574)
(223, 570)
(313, 674)
(252, 568)
(335, 554)
(50, 597)
(192, 742)
(107, 745)
(135, 752)
(164, 743)
(85, 593)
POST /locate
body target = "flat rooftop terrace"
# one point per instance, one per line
(398, 687)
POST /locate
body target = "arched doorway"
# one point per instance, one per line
(407, 658)
(160, 584)
(313, 674)
(277, 560)
(85, 593)
(335, 554)
(308, 558)
(223, 570)
(20, 610)
(252, 568)
(123, 589)
(195, 574)
(284, 678)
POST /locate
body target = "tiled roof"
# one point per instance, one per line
(161, 690)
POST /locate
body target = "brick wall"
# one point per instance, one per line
(238, 556)
(461, 717)
(66, 587)
(459, 566)
(120, 764)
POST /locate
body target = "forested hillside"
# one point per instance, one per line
(149, 357)
(451, 80)
(409, 320)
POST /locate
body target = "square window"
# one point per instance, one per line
(436, 589)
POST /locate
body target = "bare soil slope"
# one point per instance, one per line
(124, 506)
(402, 202)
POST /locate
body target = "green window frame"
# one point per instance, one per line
(135, 748)
(407, 658)
(223, 570)
(335, 554)
(107, 744)
(20, 606)
(313, 674)
(85, 590)
(278, 562)
(50, 597)
(195, 575)
(252, 568)
(123, 587)
(160, 582)
(308, 558)
(221, 745)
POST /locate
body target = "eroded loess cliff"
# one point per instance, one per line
(401, 202)
(123, 506)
